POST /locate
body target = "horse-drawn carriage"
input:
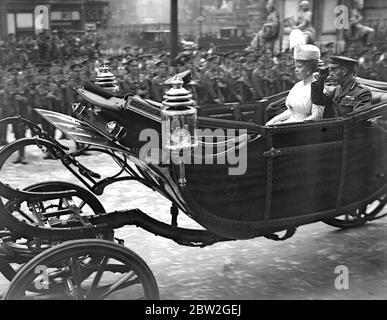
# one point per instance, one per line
(219, 165)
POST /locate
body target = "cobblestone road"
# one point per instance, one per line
(302, 267)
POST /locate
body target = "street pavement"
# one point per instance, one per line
(302, 267)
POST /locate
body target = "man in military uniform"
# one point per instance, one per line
(15, 101)
(157, 86)
(347, 95)
(233, 78)
(47, 94)
(256, 80)
(137, 82)
(213, 82)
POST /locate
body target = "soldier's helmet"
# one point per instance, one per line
(106, 79)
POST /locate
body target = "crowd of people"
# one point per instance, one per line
(43, 70)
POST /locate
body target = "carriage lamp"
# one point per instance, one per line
(178, 121)
(106, 79)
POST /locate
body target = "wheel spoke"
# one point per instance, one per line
(115, 268)
(97, 277)
(82, 204)
(118, 283)
(24, 215)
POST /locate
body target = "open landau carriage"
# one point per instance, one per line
(331, 170)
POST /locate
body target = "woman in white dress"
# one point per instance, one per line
(298, 102)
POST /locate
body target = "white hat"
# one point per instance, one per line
(307, 52)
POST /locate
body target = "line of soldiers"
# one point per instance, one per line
(218, 78)
(42, 84)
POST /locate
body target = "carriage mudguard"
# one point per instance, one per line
(78, 130)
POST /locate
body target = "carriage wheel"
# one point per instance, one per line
(59, 274)
(359, 216)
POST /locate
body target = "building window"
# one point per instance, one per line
(76, 15)
(24, 21)
(11, 23)
(65, 15)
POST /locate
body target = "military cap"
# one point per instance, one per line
(14, 68)
(29, 65)
(235, 56)
(241, 59)
(180, 56)
(42, 66)
(131, 60)
(57, 61)
(146, 55)
(248, 52)
(85, 62)
(76, 67)
(115, 58)
(158, 62)
(164, 55)
(127, 48)
(336, 61)
(215, 57)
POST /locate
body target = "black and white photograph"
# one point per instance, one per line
(197, 154)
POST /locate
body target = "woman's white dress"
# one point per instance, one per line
(300, 105)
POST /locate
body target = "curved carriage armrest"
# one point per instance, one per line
(113, 102)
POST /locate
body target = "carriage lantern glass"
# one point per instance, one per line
(178, 118)
(178, 122)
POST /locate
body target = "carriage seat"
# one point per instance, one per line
(378, 89)
(378, 96)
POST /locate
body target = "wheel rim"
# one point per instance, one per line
(360, 216)
(65, 272)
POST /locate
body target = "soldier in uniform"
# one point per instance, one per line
(233, 77)
(256, 80)
(23, 108)
(15, 101)
(157, 86)
(137, 82)
(47, 94)
(227, 63)
(213, 82)
(31, 82)
(347, 95)
(249, 64)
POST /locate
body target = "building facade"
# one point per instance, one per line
(21, 16)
